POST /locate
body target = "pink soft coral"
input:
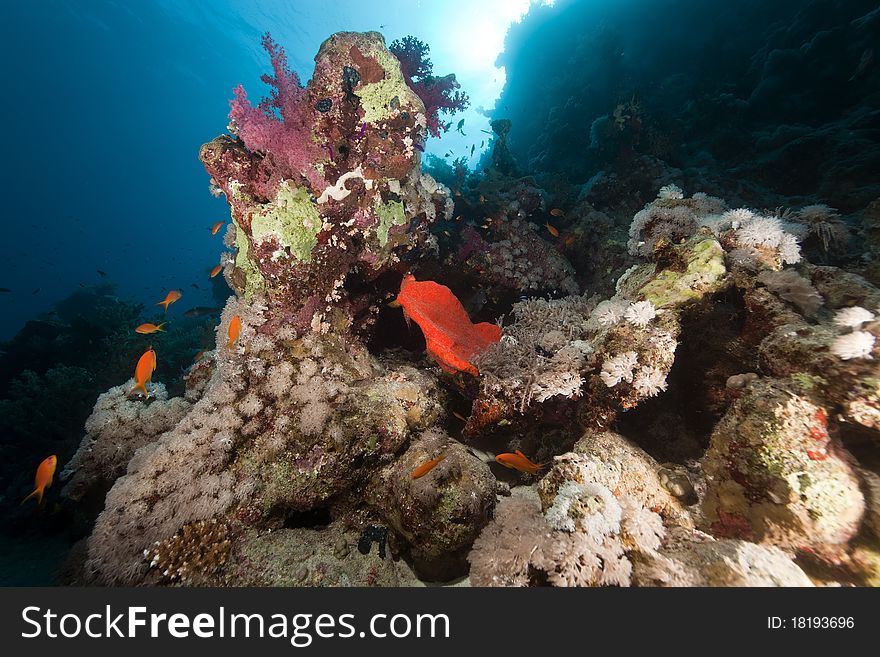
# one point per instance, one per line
(437, 93)
(280, 126)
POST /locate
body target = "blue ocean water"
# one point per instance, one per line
(113, 100)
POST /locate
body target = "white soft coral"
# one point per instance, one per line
(619, 368)
(649, 381)
(857, 344)
(761, 231)
(640, 313)
(853, 317)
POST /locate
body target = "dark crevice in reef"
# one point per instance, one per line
(394, 332)
(314, 519)
(676, 425)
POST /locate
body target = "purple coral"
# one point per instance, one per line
(279, 125)
(437, 93)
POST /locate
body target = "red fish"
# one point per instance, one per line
(45, 472)
(146, 329)
(450, 336)
(170, 298)
(426, 467)
(216, 270)
(234, 330)
(143, 371)
(552, 230)
(216, 227)
(519, 461)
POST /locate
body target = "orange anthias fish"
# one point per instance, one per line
(146, 329)
(234, 330)
(552, 230)
(45, 472)
(216, 270)
(425, 468)
(170, 298)
(143, 372)
(216, 227)
(519, 461)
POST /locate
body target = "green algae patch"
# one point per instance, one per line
(253, 279)
(703, 274)
(390, 214)
(292, 219)
(376, 97)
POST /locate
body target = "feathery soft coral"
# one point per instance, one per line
(452, 339)
(279, 125)
(437, 93)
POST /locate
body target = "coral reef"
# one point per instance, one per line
(441, 513)
(326, 186)
(118, 426)
(701, 397)
(290, 414)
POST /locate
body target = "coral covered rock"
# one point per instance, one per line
(324, 180)
(726, 562)
(441, 512)
(118, 426)
(609, 459)
(585, 537)
(776, 476)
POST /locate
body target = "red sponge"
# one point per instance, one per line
(452, 339)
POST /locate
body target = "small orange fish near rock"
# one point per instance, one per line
(552, 230)
(425, 468)
(216, 270)
(234, 330)
(143, 371)
(43, 480)
(146, 329)
(519, 461)
(216, 227)
(170, 298)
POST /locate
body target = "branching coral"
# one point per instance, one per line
(439, 94)
(286, 137)
(194, 554)
(542, 354)
(585, 537)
